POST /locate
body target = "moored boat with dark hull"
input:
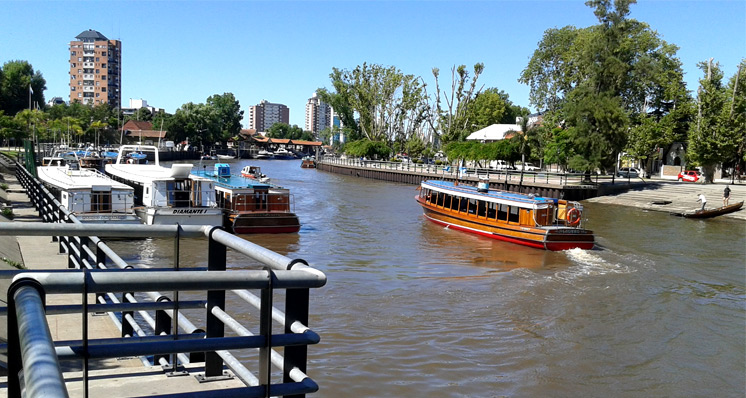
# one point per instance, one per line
(528, 220)
(252, 207)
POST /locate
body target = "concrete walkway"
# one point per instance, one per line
(682, 195)
(111, 378)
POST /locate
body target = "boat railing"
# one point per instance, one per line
(155, 328)
(262, 202)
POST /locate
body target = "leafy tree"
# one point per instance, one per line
(339, 99)
(389, 104)
(415, 147)
(228, 113)
(558, 149)
(598, 126)
(367, 148)
(489, 108)
(449, 115)
(286, 131)
(736, 121)
(15, 80)
(618, 62)
(193, 122)
(712, 139)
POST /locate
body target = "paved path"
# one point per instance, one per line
(682, 195)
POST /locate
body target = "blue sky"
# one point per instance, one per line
(176, 52)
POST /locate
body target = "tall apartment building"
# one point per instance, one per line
(95, 69)
(265, 114)
(318, 115)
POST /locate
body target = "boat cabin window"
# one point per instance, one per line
(100, 201)
(491, 210)
(178, 193)
(513, 214)
(502, 213)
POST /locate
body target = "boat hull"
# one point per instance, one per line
(549, 239)
(108, 218)
(182, 216)
(264, 223)
(713, 212)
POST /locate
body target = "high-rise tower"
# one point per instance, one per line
(318, 115)
(95, 69)
(265, 114)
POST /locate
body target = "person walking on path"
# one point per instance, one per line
(703, 200)
(726, 195)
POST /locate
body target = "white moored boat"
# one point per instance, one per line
(166, 195)
(89, 194)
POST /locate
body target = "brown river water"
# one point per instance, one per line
(658, 309)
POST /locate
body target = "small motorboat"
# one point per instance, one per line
(709, 213)
(308, 163)
(254, 172)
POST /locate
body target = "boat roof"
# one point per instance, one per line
(470, 191)
(142, 173)
(65, 178)
(233, 181)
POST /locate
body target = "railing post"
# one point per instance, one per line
(296, 310)
(216, 256)
(265, 330)
(162, 325)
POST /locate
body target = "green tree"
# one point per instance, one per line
(285, 131)
(228, 113)
(367, 148)
(15, 80)
(415, 147)
(389, 104)
(712, 139)
(618, 62)
(736, 121)
(448, 115)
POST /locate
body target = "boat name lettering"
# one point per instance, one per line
(570, 231)
(188, 211)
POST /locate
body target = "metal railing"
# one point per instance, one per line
(451, 171)
(172, 338)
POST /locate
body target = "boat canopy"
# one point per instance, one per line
(508, 198)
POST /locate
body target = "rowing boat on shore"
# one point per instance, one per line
(711, 212)
(528, 220)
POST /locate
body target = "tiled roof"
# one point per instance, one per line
(138, 125)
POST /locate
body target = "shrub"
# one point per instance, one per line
(7, 213)
(4, 186)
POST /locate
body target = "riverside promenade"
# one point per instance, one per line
(632, 192)
(111, 378)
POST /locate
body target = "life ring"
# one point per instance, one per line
(573, 217)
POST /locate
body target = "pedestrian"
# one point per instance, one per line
(726, 195)
(703, 200)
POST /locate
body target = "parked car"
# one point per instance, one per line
(628, 172)
(501, 165)
(528, 166)
(689, 175)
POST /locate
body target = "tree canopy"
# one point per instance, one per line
(17, 80)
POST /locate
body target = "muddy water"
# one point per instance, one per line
(413, 309)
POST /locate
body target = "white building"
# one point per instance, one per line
(318, 115)
(137, 104)
(495, 132)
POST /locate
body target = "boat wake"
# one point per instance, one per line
(590, 263)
